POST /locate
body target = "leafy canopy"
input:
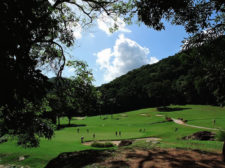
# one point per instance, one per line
(34, 35)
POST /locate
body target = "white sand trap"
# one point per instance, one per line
(123, 115)
(150, 139)
(80, 118)
(91, 142)
(159, 115)
(144, 114)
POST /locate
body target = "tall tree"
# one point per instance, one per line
(34, 34)
(204, 18)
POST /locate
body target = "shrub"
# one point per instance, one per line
(220, 135)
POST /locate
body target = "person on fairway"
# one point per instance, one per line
(82, 139)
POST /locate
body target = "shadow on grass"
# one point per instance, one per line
(79, 159)
(71, 125)
(170, 109)
(155, 158)
(119, 164)
(169, 159)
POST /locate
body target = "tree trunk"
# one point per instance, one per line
(223, 153)
(58, 121)
(69, 120)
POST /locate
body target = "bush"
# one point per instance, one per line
(102, 145)
(220, 136)
(3, 139)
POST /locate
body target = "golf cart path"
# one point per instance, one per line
(193, 126)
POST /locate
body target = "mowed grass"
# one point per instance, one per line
(129, 123)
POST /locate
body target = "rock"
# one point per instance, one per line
(125, 143)
(202, 135)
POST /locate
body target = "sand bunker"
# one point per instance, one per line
(124, 115)
(118, 142)
(159, 115)
(80, 118)
(144, 114)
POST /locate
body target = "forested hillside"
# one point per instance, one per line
(194, 76)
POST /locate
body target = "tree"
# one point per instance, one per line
(34, 34)
(204, 18)
(81, 88)
(73, 96)
(194, 15)
(58, 99)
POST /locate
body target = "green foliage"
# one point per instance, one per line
(203, 20)
(75, 96)
(194, 15)
(102, 145)
(221, 135)
(35, 35)
(194, 76)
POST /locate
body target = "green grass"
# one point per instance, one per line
(129, 123)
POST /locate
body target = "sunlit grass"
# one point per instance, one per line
(129, 124)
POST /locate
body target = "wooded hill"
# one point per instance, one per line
(194, 76)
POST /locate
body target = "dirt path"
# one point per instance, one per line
(177, 121)
(193, 126)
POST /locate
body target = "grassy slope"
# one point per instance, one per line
(129, 124)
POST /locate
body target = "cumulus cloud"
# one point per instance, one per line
(92, 35)
(77, 30)
(106, 22)
(71, 69)
(51, 2)
(125, 56)
(153, 60)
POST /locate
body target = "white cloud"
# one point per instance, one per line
(125, 56)
(51, 2)
(153, 60)
(92, 35)
(77, 30)
(71, 69)
(103, 58)
(106, 22)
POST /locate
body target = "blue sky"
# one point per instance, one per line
(112, 55)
